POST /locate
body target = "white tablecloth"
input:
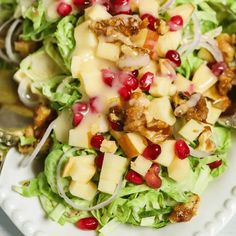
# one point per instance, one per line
(8, 229)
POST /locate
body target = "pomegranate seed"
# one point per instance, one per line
(146, 81)
(116, 118)
(81, 3)
(174, 57)
(64, 9)
(152, 151)
(218, 68)
(121, 7)
(93, 104)
(155, 169)
(151, 21)
(176, 23)
(99, 160)
(215, 164)
(125, 93)
(134, 177)
(135, 73)
(120, 2)
(181, 149)
(89, 223)
(152, 180)
(79, 107)
(77, 118)
(97, 140)
(108, 76)
(129, 81)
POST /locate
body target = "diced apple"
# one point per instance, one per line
(203, 79)
(107, 186)
(160, 87)
(116, 134)
(108, 51)
(113, 175)
(62, 128)
(191, 130)
(141, 165)
(179, 169)
(168, 41)
(84, 37)
(100, 125)
(184, 10)
(151, 67)
(132, 144)
(81, 170)
(160, 109)
(67, 168)
(213, 114)
(96, 12)
(206, 55)
(149, 6)
(167, 153)
(108, 146)
(183, 85)
(79, 137)
(86, 191)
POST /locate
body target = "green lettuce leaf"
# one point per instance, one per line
(26, 140)
(28, 188)
(7, 9)
(65, 38)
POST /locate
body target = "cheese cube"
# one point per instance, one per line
(109, 51)
(108, 146)
(141, 165)
(191, 130)
(160, 87)
(167, 153)
(107, 186)
(183, 85)
(86, 191)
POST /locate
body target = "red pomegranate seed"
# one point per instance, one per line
(146, 81)
(134, 177)
(120, 2)
(176, 23)
(155, 169)
(77, 118)
(89, 223)
(93, 104)
(152, 151)
(215, 164)
(121, 7)
(97, 140)
(174, 57)
(125, 93)
(128, 80)
(64, 9)
(99, 160)
(135, 73)
(181, 149)
(82, 3)
(153, 180)
(108, 76)
(151, 21)
(79, 107)
(218, 68)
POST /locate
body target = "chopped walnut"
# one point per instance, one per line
(225, 43)
(226, 81)
(118, 28)
(197, 112)
(185, 211)
(206, 143)
(136, 121)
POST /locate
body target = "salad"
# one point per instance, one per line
(126, 96)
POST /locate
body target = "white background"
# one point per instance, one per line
(8, 229)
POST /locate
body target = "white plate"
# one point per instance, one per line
(218, 205)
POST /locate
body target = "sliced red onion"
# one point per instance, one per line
(199, 154)
(69, 201)
(4, 56)
(166, 5)
(214, 50)
(24, 95)
(8, 41)
(5, 24)
(213, 33)
(27, 160)
(188, 48)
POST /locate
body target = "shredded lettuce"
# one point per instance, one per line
(7, 9)
(27, 140)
